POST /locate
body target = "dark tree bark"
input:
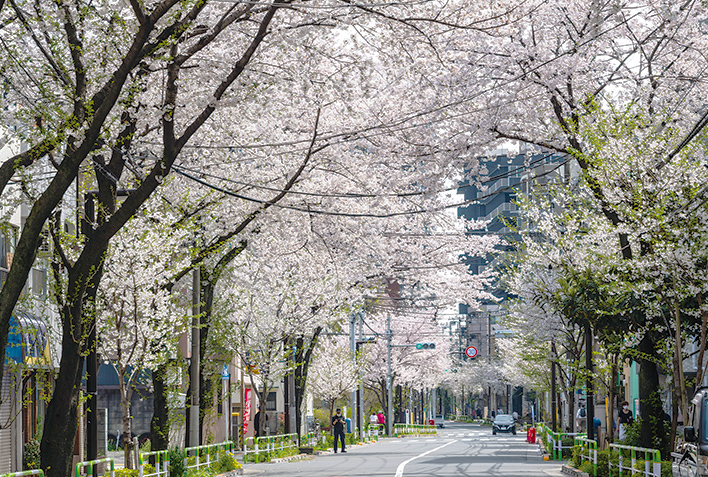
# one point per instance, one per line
(159, 424)
(303, 357)
(652, 433)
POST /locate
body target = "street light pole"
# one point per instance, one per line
(360, 390)
(353, 347)
(389, 380)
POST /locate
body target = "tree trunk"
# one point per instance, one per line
(187, 414)
(62, 417)
(159, 424)
(678, 362)
(652, 434)
(702, 343)
(674, 417)
(206, 383)
(303, 357)
(611, 402)
(127, 433)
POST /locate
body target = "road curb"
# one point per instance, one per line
(572, 471)
(291, 458)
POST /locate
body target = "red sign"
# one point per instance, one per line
(471, 352)
(246, 409)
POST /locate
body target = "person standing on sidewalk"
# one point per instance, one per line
(338, 424)
(625, 418)
(581, 418)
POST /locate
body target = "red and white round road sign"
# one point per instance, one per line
(471, 352)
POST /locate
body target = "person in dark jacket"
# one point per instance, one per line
(257, 423)
(338, 424)
(625, 418)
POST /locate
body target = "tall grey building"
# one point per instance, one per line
(494, 201)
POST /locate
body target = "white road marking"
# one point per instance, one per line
(402, 465)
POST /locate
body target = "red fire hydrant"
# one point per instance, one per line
(431, 422)
(531, 435)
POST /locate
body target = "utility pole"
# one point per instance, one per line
(553, 387)
(590, 398)
(389, 380)
(194, 363)
(352, 346)
(360, 391)
(92, 358)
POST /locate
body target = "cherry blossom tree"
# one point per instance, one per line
(333, 372)
(124, 97)
(411, 367)
(139, 325)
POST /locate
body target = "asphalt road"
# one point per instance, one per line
(458, 450)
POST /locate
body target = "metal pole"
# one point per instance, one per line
(105, 432)
(360, 391)
(553, 387)
(352, 346)
(389, 380)
(227, 406)
(92, 358)
(194, 364)
(589, 401)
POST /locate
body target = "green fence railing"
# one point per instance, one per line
(652, 460)
(371, 433)
(206, 455)
(557, 442)
(93, 467)
(161, 460)
(268, 444)
(588, 451)
(413, 429)
(39, 472)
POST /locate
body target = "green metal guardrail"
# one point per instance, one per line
(209, 452)
(39, 472)
(91, 469)
(588, 451)
(162, 463)
(268, 444)
(652, 467)
(413, 429)
(371, 432)
(311, 439)
(553, 441)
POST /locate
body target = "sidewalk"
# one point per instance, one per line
(118, 458)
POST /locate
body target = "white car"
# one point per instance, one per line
(440, 421)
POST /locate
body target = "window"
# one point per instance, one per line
(39, 281)
(271, 402)
(6, 251)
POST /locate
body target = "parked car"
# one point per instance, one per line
(693, 461)
(504, 423)
(440, 421)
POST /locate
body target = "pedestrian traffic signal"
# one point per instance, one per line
(425, 346)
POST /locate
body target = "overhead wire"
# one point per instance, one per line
(309, 210)
(355, 195)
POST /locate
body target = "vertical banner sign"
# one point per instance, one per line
(246, 410)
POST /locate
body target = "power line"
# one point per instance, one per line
(357, 195)
(309, 210)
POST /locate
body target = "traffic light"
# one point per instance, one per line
(425, 346)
